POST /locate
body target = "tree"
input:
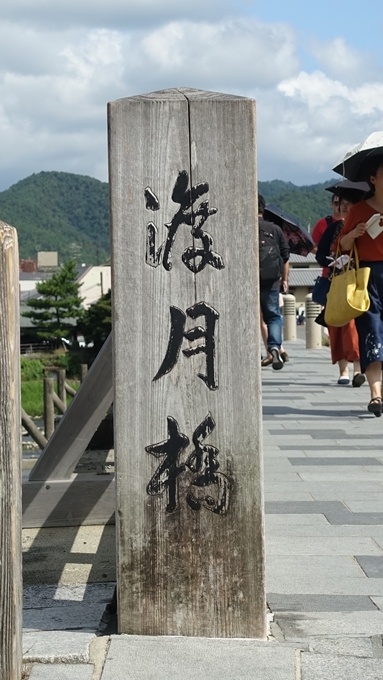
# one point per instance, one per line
(96, 323)
(58, 308)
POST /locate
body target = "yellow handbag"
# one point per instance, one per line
(348, 296)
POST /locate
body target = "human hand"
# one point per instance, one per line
(285, 286)
(360, 229)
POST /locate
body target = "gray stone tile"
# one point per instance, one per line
(324, 667)
(189, 658)
(56, 646)
(294, 520)
(334, 461)
(368, 505)
(319, 447)
(371, 565)
(61, 672)
(343, 646)
(319, 603)
(312, 545)
(298, 627)
(303, 507)
(312, 583)
(317, 566)
(378, 601)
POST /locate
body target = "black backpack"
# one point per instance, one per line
(270, 260)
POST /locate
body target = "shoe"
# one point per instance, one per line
(267, 361)
(358, 380)
(285, 357)
(343, 381)
(375, 406)
(277, 360)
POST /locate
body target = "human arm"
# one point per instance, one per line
(285, 277)
(347, 241)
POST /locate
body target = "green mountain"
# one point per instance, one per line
(70, 213)
(307, 203)
(59, 211)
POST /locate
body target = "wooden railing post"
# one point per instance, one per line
(186, 352)
(49, 407)
(61, 391)
(83, 371)
(10, 460)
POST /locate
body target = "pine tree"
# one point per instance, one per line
(97, 321)
(58, 302)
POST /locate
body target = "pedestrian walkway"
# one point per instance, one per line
(324, 557)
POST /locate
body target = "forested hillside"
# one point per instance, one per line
(307, 203)
(59, 211)
(70, 213)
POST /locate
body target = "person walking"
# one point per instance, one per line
(344, 342)
(370, 324)
(273, 276)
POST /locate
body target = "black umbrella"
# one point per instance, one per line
(299, 240)
(353, 164)
(347, 185)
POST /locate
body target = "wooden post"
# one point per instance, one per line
(32, 430)
(61, 391)
(10, 459)
(49, 408)
(187, 400)
(83, 371)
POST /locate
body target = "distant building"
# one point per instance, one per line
(303, 273)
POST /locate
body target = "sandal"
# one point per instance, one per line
(375, 406)
(285, 356)
(267, 361)
(358, 380)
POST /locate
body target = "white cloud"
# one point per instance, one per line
(345, 63)
(121, 14)
(55, 83)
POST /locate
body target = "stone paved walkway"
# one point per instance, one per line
(324, 552)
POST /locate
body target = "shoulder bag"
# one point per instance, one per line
(348, 295)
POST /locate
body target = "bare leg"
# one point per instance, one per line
(374, 377)
(343, 368)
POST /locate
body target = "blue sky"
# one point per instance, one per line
(315, 71)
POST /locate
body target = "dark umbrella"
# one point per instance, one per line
(299, 240)
(354, 163)
(346, 185)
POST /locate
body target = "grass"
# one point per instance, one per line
(32, 396)
(33, 372)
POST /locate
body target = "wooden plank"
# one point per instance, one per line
(10, 459)
(32, 430)
(83, 499)
(79, 422)
(190, 536)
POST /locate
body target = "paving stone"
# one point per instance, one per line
(277, 582)
(302, 507)
(368, 505)
(322, 546)
(278, 520)
(319, 667)
(296, 627)
(371, 565)
(334, 461)
(319, 603)
(343, 646)
(56, 646)
(316, 565)
(172, 658)
(61, 672)
(319, 447)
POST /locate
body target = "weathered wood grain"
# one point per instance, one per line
(186, 571)
(10, 460)
(79, 422)
(83, 499)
